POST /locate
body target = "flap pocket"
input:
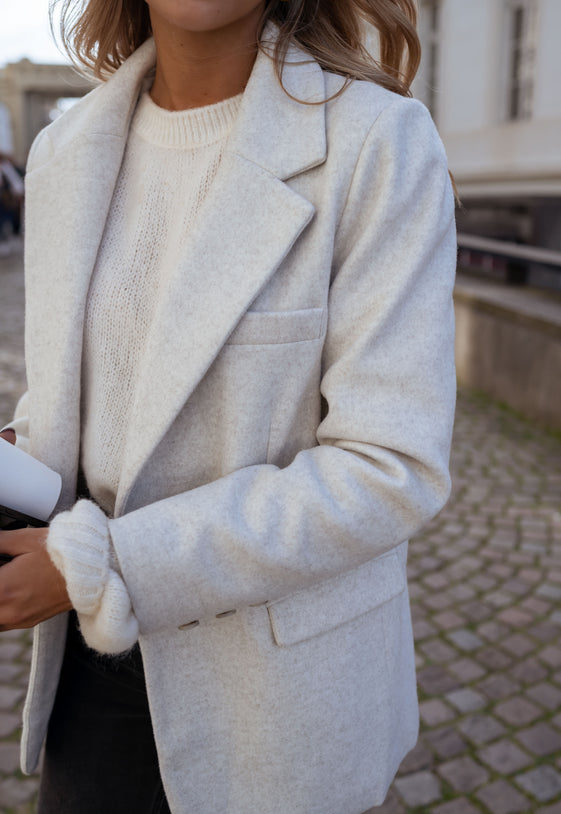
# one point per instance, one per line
(278, 327)
(332, 603)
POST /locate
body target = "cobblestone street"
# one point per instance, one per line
(485, 582)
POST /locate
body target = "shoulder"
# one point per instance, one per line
(63, 130)
(381, 130)
(104, 111)
(365, 111)
(385, 153)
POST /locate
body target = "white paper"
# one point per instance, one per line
(27, 485)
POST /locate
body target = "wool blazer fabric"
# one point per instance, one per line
(290, 431)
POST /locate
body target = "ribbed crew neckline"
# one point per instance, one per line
(185, 129)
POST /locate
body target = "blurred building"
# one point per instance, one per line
(491, 76)
(31, 96)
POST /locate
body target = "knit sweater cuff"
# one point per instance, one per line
(79, 544)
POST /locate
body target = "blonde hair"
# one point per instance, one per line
(101, 35)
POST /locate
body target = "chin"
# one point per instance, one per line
(204, 16)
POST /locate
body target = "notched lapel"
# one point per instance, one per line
(222, 270)
(282, 127)
(71, 177)
(61, 249)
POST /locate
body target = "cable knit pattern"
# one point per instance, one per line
(80, 546)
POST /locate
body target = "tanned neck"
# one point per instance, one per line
(194, 69)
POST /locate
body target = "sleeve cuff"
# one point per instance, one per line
(80, 546)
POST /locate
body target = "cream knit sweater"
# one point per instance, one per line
(170, 162)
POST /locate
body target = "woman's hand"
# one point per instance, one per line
(32, 589)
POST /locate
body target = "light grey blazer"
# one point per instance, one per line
(290, 430)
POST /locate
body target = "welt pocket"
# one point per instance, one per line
(278, 327)
(332, 603)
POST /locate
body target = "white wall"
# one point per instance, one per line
(547, 99)
(467, 57)
(483, 147)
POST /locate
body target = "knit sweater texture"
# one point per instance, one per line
(170, 162)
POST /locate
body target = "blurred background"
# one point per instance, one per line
(485, 576)
(490, 75)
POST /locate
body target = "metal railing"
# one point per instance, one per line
(509, 250)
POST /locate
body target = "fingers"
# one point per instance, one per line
(8, 435)
(22, 541)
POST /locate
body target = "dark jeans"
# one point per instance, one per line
(100, 755)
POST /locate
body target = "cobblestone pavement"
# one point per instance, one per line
(485, 580)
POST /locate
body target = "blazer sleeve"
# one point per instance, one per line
(20, 423)
(380, 470)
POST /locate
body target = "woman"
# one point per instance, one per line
(239, 346)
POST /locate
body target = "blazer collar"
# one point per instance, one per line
(300, 143)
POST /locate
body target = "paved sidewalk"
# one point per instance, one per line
(485, 581)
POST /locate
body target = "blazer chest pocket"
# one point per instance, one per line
(325, 606)
(278, 327)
